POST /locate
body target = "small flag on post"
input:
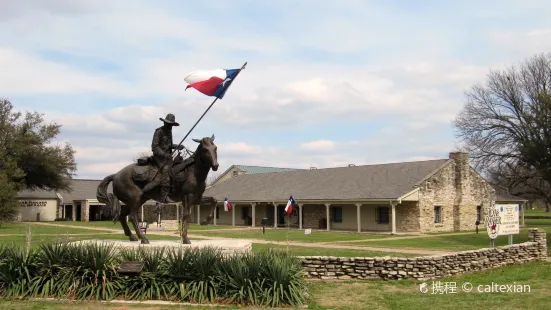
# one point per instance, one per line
(227, 204)
(212, 83)
(289, 206)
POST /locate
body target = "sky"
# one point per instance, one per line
(328, 83)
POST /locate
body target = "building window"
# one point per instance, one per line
(479, 213)
(383, 216)
(217, 213)
(337, 214)
(438, 215)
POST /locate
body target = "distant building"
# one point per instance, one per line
(422, 196)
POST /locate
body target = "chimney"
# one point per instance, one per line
(461, 161)
(351, 165)
(313, 168)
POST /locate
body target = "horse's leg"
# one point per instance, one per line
(185, 220)
(134, 218)
(213, 202)
(122, 219)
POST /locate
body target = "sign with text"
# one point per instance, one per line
(33, 203)
(492, 221)
(508, 214)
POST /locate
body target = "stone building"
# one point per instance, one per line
(422, 196)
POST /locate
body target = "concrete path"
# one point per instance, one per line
(402, 238)
(327, 245)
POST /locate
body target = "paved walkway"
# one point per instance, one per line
(328, 245)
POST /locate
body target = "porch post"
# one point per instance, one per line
(327, 205)
(358, 217)
(233, 216)
(300, 215)
(142, 212)
(214, 219)
(275, 214)
(198, 214)
(253, 206)
(393, 211)
(177, 212)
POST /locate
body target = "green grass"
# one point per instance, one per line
(539, 211)
(293, 235)
(20, 228)
(310, 251)
(538, 222)
(405, 294)
(456, 242)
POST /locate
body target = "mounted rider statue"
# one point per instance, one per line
(162, 148)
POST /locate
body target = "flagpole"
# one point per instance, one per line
(200, 118)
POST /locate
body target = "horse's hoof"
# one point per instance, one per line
(133, 238)
(145, 241)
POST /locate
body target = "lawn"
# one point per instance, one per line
(539, 211)
(455, 242)
(402, 295)
(538, 222)
(405, 294)
(310, 251)
(293, 235)
(20, 229)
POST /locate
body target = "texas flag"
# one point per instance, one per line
(211, 82)
(227, 204)
(289, 206)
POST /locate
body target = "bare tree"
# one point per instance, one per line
(506, 126)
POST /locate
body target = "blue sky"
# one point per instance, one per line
(328, 83)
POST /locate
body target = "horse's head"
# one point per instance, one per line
(206, 152)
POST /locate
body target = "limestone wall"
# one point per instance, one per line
(458, 189)
(429, 267)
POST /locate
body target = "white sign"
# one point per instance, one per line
(493, 219)
(509, 219)
(308, 231)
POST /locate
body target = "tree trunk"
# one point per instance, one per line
(547, 207)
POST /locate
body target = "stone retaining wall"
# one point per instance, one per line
(428, 267)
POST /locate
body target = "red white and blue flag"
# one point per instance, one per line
(227, 204)
(289, 206)
(212, 83)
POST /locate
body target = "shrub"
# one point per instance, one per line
(89, 271)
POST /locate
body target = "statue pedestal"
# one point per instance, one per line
(227, 246)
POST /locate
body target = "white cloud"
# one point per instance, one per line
(319, 145)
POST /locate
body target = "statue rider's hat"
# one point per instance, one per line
(170, 119)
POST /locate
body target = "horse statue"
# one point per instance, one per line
(187, 185)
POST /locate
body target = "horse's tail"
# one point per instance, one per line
(109, 199)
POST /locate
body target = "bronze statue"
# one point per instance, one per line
(139, 182)
(162, 148)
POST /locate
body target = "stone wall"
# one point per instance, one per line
(407, 217)
(429, 267)
(312, 215)
(458, 189)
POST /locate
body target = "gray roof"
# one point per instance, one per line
(260, 169)
(384, 181)
(82, 189)
(36, 194)
(508, 197)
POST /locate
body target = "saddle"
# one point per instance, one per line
(146, 168)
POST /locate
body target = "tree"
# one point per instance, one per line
(505, 126)
(28, 157)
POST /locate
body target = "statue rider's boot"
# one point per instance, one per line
(164, 194)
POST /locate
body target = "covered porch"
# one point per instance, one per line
(389, 216)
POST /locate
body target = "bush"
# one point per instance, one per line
(89, 271)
